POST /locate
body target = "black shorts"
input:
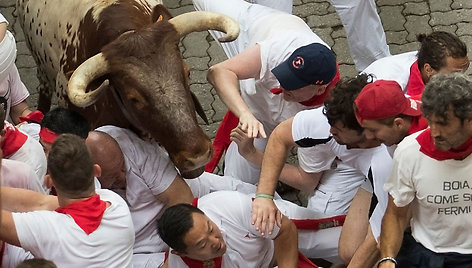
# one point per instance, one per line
(414, 255)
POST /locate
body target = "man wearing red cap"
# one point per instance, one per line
(276, 67)
(429, 187)
(386, 113)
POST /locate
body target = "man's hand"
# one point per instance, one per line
(265, 214)
(245, 144)
(249, 124)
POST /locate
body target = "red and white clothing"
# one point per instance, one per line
(21, 147)
(278, 34)
(56, 236)
(344, 169)
(439, 193)
(149, 172)
(396, 68)
(245, 246)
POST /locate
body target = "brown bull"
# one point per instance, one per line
(138, 79)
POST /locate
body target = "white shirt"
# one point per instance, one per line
(56, 236)
(149, 172)
(395, 67)
(17, 174)
(440, 196)
(245, 246)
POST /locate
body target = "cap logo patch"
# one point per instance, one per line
(413, 104)
(319, 82)
(298, 62)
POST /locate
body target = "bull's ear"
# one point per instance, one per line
(160, 10)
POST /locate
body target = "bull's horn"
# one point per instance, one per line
(89, 70)
(205, 20)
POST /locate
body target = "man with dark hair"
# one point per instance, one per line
(429, 184)
(386, 114)
(333, 160)
(55, 122)
(36, 263)
(89, 228)
(195, 235)
(440, 52)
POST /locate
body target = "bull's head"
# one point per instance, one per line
(150, 80)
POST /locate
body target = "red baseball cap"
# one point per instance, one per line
(383, 99)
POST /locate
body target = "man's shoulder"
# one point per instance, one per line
(310, 127)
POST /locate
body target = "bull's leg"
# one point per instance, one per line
(45, 94)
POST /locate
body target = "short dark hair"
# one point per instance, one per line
(70, 166)
(62, 120)
(340, 105)
(437, 46)
(448, 91)
(175, 223)
(36, 263)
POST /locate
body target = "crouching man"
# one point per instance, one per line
(210, 234)
(89, 228)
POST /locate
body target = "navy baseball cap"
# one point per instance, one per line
(313, 64)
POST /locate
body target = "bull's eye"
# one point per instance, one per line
(136, 99)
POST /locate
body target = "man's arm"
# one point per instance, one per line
(178, 192)
(225, 78)
(21, 109)
(22, 200)
(394, 222)
(367, 254)
(8, 230)
(286, 244)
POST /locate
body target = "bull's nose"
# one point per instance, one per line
(193, 173)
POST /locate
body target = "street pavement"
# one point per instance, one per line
(402, 21)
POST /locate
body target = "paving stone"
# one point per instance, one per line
(195, 45)
(416, 25)
(440, 5)
(325, 35)
(197, 76)
(329, 20)
(203, 93)
(459, 4)
(397, 38)
(216, 53)
(309, 9)
(416, 8)
(198, 63)
(220, 109)
(5, 4)
(464, 29)
(392, 18)
(445, 28)
(397, 49)
(348, 70)
(342, 51)
(451, 17)
(25, 61)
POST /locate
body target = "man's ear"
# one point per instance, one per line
(97, 170)
(48, 181)
(428, 71)
(175, 252)
(321, 90)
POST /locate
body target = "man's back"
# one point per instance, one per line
(55, 236)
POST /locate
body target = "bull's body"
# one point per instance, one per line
(148, 79)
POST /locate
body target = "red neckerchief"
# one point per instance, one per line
(415, 81)
(87, 213)
(418, 123)
(33, 117)
(427, 147)
(13, 140)
(317, 99)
